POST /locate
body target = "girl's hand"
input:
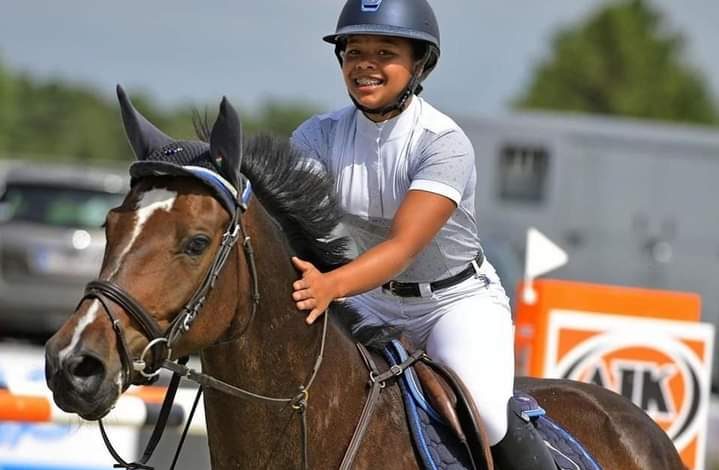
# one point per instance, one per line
(313, 292)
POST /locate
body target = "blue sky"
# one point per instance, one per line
(191, 51)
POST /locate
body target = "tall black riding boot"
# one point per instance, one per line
(522, 448)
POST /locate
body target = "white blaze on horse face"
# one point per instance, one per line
(151, 201)
(86, 319)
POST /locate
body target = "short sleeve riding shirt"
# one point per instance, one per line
(374, 165)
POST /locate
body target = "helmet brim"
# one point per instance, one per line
(380, 30)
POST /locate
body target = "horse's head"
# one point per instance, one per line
(165, 244)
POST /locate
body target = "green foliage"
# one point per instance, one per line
(280, 118)
(7, 104)
(53, 119)
(622, 61)
(57, 120)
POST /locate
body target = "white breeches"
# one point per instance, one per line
(467, 327)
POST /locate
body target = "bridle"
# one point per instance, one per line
(160, 346)
(160, 343)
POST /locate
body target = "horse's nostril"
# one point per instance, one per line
(85, 372)
(86, 366)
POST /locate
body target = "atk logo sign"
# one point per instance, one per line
(663, 366)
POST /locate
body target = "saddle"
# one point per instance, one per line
(445, 422)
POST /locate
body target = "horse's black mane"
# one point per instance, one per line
(298, 193)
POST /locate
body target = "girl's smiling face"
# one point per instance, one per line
(376, 69)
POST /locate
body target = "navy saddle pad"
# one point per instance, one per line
(439, 449)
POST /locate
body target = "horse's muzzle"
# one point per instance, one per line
(79, 383)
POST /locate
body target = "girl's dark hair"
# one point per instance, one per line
(419, 49)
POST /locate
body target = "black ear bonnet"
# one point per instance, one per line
(160, 155)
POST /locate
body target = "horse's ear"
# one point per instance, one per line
(144, 137)
(226, 142)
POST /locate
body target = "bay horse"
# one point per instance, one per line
(161, 265)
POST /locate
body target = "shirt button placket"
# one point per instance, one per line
(380, 197)
(375, 183)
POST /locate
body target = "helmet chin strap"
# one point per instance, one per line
(398, 104)
(401, 101)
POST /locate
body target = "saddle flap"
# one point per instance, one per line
(467, 415)
(450, 401)
(441, 397)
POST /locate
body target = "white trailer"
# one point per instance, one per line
(633, 202)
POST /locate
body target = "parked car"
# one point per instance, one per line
(51, 240)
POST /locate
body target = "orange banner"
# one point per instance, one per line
(645, 344)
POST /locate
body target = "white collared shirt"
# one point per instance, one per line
(375, 164)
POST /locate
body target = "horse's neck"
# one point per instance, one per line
(277, 342)
(274, 358)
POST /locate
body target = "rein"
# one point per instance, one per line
(377, 382)
(298, 402)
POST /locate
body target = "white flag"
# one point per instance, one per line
(542, 256)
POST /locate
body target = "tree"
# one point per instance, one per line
(622, 61)
(280, 118)
(7, 108)
(53, 119)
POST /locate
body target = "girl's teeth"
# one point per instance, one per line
(367, 82)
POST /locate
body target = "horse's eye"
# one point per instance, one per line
(196, 245)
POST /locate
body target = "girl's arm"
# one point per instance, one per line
(419, 218)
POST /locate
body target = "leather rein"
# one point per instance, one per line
(160, 344)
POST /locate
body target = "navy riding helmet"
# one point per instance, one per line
(411, 19)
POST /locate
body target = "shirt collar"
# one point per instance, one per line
(393, 128)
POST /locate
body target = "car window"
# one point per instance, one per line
(57, 205)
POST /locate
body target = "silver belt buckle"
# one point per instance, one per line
(475, 266)
(391, 287)
(425, 289)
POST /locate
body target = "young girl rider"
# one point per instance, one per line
(405, 179)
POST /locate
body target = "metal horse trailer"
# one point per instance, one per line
(633, 202)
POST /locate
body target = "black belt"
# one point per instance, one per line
(411, 289)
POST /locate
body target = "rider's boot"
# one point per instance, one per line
(522, 448)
